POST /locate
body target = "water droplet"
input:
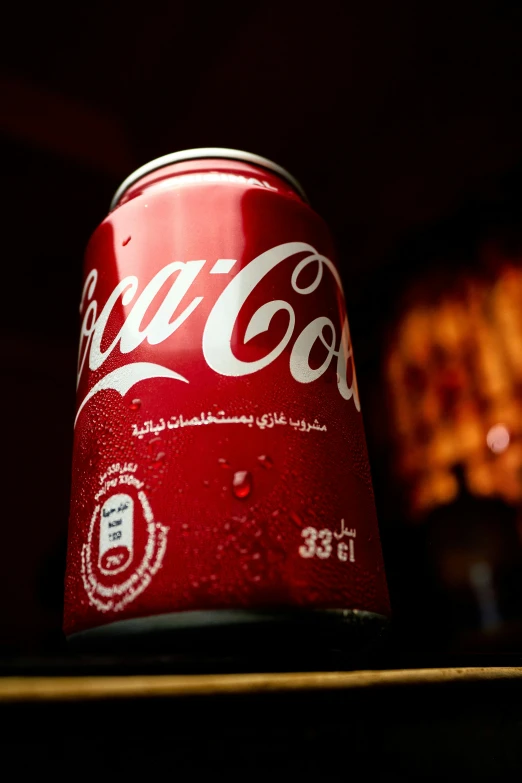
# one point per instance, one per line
(126, 241)
(275, 513)
(266, 461)
(206, 483)
(296, 518)
(156, 451)
(242, 484)
(135, 405)
(223, 463)
(154, 444)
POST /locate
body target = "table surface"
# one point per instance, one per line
(382, 724)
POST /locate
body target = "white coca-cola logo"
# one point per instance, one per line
(217, 333)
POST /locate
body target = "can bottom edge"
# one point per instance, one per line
(239, 633)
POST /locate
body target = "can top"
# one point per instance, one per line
(205, 152)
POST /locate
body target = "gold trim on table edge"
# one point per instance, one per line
(114, 687)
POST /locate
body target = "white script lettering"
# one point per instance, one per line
(219, 328)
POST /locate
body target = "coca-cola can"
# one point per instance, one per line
(220, 472)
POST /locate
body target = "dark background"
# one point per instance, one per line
(392, 115)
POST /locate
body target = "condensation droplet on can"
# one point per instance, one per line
(242, 484)
(265, 461)
(154, 445)
(223, 463)
(126, 241)
(158, 461)
(135, 404)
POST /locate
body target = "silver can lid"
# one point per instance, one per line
(205, 152)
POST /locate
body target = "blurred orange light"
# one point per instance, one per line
(498, 438)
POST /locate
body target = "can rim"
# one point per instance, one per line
(206, 152)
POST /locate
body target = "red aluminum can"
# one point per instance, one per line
(220, 472)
